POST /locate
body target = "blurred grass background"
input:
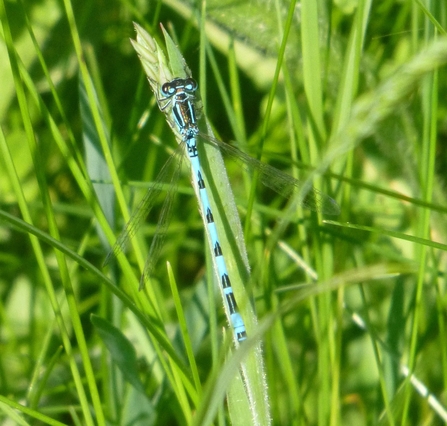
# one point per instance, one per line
(361, 96)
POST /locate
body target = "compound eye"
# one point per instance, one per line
(167, 89)
(190, 85)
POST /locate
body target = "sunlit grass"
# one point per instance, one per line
(346, 305)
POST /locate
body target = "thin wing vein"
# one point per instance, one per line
(278, 181)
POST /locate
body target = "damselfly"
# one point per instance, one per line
(177, 99)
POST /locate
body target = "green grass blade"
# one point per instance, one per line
(351, 313)
(184, 330)
(121, 350)
(158, 71)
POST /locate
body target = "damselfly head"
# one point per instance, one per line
(172, 87)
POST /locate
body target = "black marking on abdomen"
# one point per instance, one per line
(209, 216)
(217, 249)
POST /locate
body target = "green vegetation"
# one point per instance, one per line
(349, 95)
